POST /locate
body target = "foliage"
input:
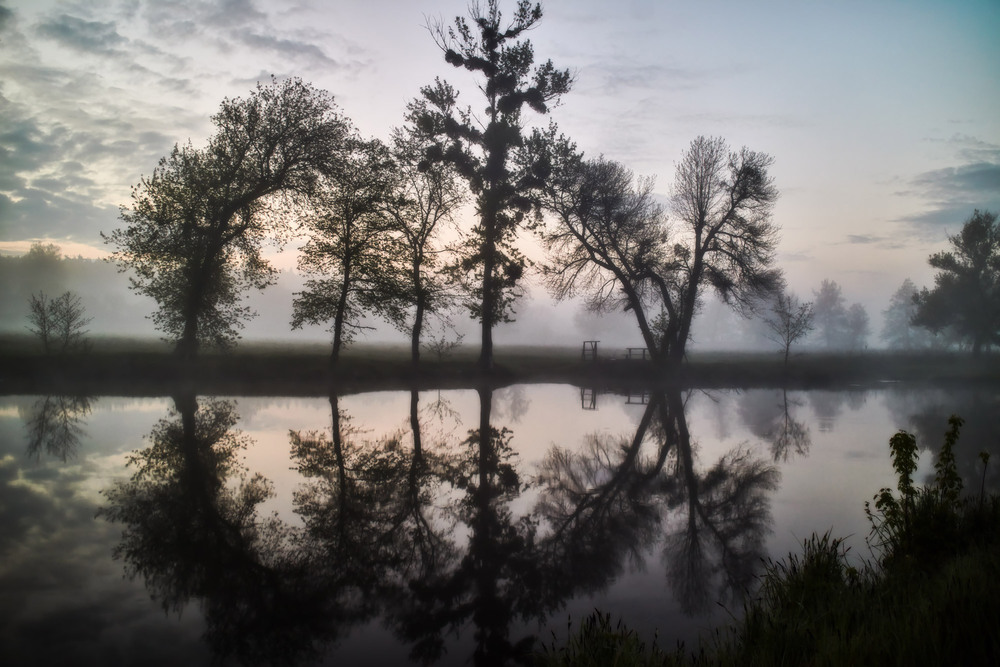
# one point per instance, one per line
(425, 195)
(612, 241)
(899, 332)
(788, 320)
(966, 294)
(840, 327)
(920, 526)
(858, 327)
(60, 323)
(480, 148)
(350, 248)
(194, 232)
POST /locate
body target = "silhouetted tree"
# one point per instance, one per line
(899, 332)
(426, 194)
(195, 228)
(609, 237)
(612, 240)
(60, 323)
(350, 248)
(787, 321)
(481, 147)
(966, 294)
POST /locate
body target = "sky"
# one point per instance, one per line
(883, 117)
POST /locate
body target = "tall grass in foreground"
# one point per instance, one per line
(930, 597)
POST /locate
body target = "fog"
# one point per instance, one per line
(539, 320)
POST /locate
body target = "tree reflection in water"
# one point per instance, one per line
(55, 425)
(421, 531)
(609, 502)
(192, 531)
(769, 415)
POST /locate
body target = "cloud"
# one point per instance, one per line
(952, 193)
(86, 36)
(285, 47)
(6, 16)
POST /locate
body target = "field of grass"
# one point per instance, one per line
(138, 366)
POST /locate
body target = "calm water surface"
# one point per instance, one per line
(451, 527)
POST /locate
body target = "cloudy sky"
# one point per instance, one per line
(883, 117)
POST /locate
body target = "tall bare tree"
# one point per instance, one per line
(612, 240)
(481, 147)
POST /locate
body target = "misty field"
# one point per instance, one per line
(138, 366)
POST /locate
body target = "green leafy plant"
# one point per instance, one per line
(923, 523)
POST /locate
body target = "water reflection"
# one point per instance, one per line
(771, 416)
(614, 498)
(192, 532)
(55, 425)
(421, 529)
(925, 414)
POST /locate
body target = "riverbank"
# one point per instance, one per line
(146, 367)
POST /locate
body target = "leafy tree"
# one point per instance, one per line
(966, 294)
(899, 332)
(426, 195)
(59, 323)
(350, 249)
(195, 228)
(481, 147)
(788, 321)
(830, 313)
(857, 327)
(613, 242)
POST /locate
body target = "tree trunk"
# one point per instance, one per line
(418, 325)
(338, 318)
(489, 250)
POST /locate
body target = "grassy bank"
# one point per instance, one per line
(930, 596)
(130, 366)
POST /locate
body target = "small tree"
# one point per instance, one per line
(857, 327)
(830, 313)
(350, 250)
(966, 294)
(426, 194)
(788, 320)
(59, 323)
